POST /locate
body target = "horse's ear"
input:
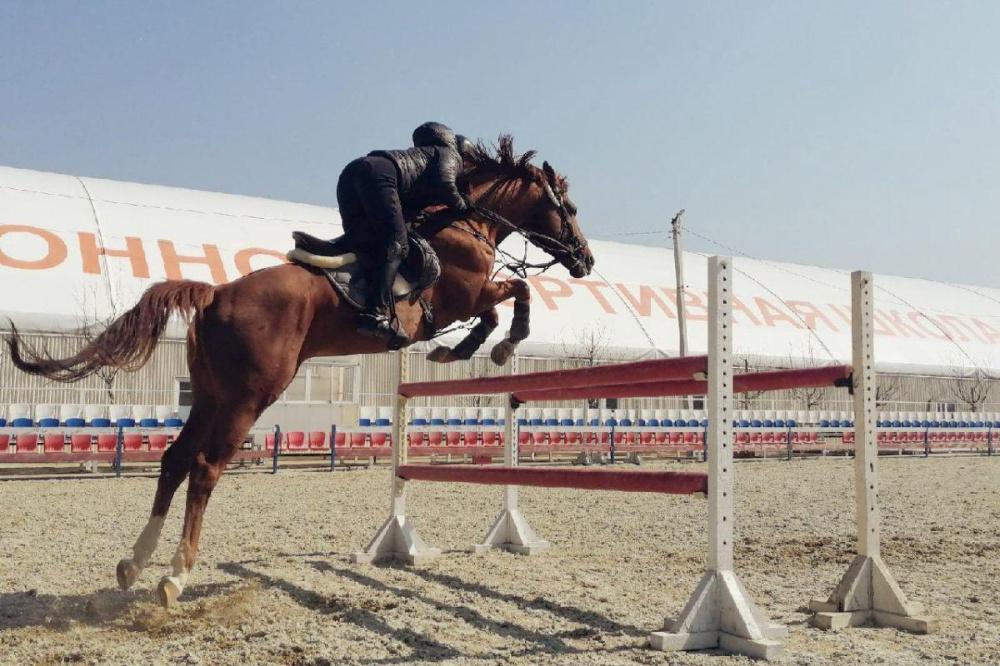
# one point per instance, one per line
(550, 173)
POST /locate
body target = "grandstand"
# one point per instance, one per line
(76, 251)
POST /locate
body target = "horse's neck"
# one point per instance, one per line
(504, 200)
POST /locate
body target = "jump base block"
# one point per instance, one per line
(721, 615)
(511, 532)
(397, 540)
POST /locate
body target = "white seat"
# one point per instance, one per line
(91, 412)
(46, 411)
(19, 411)
(384, 414)
(140, 412)
(367, 413)
(70, 411)
(164, 412)
(116, 412)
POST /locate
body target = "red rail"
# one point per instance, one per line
(677, 483)
(688, 367)
(773, 380)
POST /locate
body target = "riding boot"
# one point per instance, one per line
(377, 320)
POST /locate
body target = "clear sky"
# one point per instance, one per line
(842, 134)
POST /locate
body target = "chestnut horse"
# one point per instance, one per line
(246, 339)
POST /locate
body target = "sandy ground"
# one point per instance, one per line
(273, 584)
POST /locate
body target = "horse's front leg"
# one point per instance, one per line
(493, 294)
(519, 329)
(463, 351)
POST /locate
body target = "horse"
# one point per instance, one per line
(246, 339)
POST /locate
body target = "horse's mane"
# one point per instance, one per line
(500, 160)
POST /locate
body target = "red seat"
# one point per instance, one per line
(54, 442)
(523, 437)
(341, 439)
(380, 438)
(80, 442)
(490, 438)
(269, 442)
(572, 437)
(358, 438)
(158, 442)
(416, 438)
(538, 437)
(133, 441)
(27, 442)
(453, 438)
(662, 436)
(317, 440)
(107, 441)
(296, 441)
(4, 442)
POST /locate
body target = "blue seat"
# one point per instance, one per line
(48, 422)
(566, 422)
(578, 422)
(489, 421)
(744, 423)
(779, 423)
(125, 422)
(3, 422)
(22, 422)
(767, 423)
(383, 422)
(75, 422)
(791, 423)
(520, 422)
(896, 424)
(653, 423)
(627, 422)
(703, 423)
(419, 422)
(611, 422)
(149, 423)
(756, 423)
(667, 423)
(594, 422)
(171, 422)
(102, 422)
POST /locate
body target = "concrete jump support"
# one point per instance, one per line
(720, 613)
(398, 539)
(868, 593)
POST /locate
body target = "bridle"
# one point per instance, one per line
(566, 244)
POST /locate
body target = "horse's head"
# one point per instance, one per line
(553, 227)
(535, 200)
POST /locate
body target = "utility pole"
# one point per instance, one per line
(675, 227)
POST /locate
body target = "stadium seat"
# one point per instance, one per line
(436, 434)
(340, 439)
(173, 422)
(366, 418)
(95, 412)
(470, 419)
(53, 442)
(536, 417)
(383, 419)
(453, 434)
(149, 423)
(19, 416)
(140, 412)
(421, 419)
(158, 441)
(317, 440)
(269, 441)
(27, 442)
(295, 440)
(163, 412)
(71, 412)
(22, 422)
(47, 416)
(107, 442)
(132, 441)
(81, 442)
(490, 426)
(4, 442)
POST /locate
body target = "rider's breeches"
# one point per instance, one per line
(368, 198)
(370, 210)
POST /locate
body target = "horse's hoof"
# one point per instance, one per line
(502, 352)
(127, 574)
(168, 591)
(441, 354)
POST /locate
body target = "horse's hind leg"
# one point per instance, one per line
(173, 468)
(225, 436)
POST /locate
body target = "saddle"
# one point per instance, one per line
(347, 267)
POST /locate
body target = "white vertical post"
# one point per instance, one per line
(510, 530)
(398, 539)
(868, 593)
(720, 613)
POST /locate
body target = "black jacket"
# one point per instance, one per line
(427, 177)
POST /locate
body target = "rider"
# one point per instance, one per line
(379, 192)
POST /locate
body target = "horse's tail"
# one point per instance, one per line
(127, 342)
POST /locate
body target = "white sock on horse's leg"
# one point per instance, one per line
(129, 570)
(172, 586)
